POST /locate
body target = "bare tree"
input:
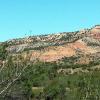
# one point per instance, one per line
(10, 72)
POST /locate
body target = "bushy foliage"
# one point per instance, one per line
(78, 86)
(3, 51)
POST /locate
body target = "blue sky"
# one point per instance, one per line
(19, 18)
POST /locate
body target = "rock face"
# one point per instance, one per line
(55, 53)
(54, 47)
(95, 32)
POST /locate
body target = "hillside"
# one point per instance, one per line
(53, 65)
(57, 46)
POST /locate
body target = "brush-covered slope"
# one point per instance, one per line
(84, 44)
